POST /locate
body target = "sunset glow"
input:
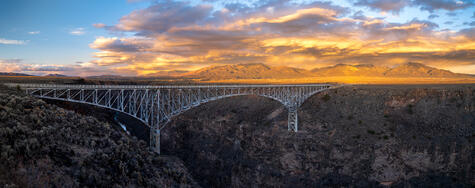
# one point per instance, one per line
(155, 36)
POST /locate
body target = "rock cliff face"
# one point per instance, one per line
(355, 135)
(46, 146)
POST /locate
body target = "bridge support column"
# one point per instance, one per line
(293, 118)
(155, 140)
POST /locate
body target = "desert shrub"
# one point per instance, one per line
(326, 97)
(409, 109)
(45, 146)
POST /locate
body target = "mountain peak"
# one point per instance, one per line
(253, 65)
(414, 64)
(55, 75)
(412, 69)
(247, 71)
(341, 65)
(351, 70)
(364, 65)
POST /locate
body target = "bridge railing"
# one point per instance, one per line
(156, 86)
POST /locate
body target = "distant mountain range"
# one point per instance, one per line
(13, 74)
(261, 71)
(22, 74)
(402, 70)
(55, 75)
(172, 73)
(106, 77)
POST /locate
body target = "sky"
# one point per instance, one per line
(144, 37)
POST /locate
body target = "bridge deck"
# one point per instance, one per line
(69, 86)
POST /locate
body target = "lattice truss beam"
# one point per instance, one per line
(156, 105)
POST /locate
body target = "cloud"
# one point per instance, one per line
(79, 69)
(432, 5)
(99, 25)
(134, 44)
(394, 6)
(449, 22)
(34, 32)
(162, 16)
(432, 16)
(181, 36)
(78, 31)
(13, 42)
(13, 61)
(10, 65)
(451, 14)
(467, 33)
(17, 65)
(47, 68)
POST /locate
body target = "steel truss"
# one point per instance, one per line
(156, 105)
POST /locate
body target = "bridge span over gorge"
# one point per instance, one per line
(156, 105)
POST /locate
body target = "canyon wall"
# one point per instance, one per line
(354, 135)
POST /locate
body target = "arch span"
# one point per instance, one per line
(156, 105)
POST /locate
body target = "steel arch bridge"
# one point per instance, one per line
(156, 105)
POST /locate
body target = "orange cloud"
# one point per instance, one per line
(185, 37)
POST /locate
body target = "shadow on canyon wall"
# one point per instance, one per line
(355, 135)
(362, 136)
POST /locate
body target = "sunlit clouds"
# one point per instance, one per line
(176, 35)
(180, 35)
